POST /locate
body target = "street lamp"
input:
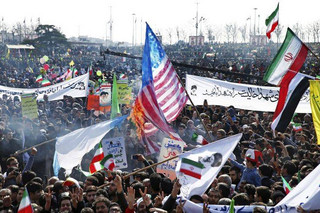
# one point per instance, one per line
(133, 22)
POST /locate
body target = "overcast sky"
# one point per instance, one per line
(89, 18)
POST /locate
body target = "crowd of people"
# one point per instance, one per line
(245, 179)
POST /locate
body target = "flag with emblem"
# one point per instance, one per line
(25, 204)
(191, 168)
(290, 57)
(108, 162)
(272, 21)
(95, 162)
(197, 168)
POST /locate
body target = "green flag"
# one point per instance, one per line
(231, 209)
(115, 105)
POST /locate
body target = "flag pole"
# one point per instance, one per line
(204, 126)
(148, 167)
(18, 152)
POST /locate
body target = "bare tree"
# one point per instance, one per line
(315, 31)
(278, 32)
(169, 31)
(183, 34)
(210, 34)
(309, 31)
(228, 34)
(217, 33)
(178, 33)
(234, 32)
(297, 29)
(243, 31)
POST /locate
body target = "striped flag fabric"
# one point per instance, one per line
(71, 182)
(39, 78)
(290, 57)
(297, 127)
(161, 97)
(199, 139)
(272, 22)
(191, 168)
(292, 87)
(286, 186)
(25, 204)
(95, 162)
(315, 106)
(108, 162)
(45, 83)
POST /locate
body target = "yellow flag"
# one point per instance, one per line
(8, 53)
(315, 106)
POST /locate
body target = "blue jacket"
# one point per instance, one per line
(249, 175)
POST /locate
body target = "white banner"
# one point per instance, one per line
(242, 96)
(76, 87)
(212, 157)
(116, 147)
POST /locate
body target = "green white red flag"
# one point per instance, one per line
(191, 168)
(25, 204)
(95, 162)
(199, 139)
(290, 57)
(45, 83)
(39, 78)
(272, 21)
(286, 185)
(108, 162)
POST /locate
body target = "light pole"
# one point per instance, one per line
(197, 23)
(258, 24)
(133, 18)
(254, 26)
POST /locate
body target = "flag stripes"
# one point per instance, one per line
(292, 88)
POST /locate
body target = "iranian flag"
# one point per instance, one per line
(95, 162)
(297, 127)
(199, 139)
(108, 162)
(39, 78)
(191, 168)
(71, 182)
(25, 204)
(272, 21)
(290, 57)
(45, 83)
(286, 185)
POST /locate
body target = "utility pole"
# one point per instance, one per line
(259, 24)
(254, 26)
(110, 22)
(197, 23)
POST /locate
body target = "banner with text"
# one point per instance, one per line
(29, 106)
(170, 148)
(76, 87)
(124, 93)
(242, 96)
(116, 147)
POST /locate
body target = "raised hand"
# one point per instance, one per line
(130, 197)
(179, 208)
(145, 197)
(159, 199)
